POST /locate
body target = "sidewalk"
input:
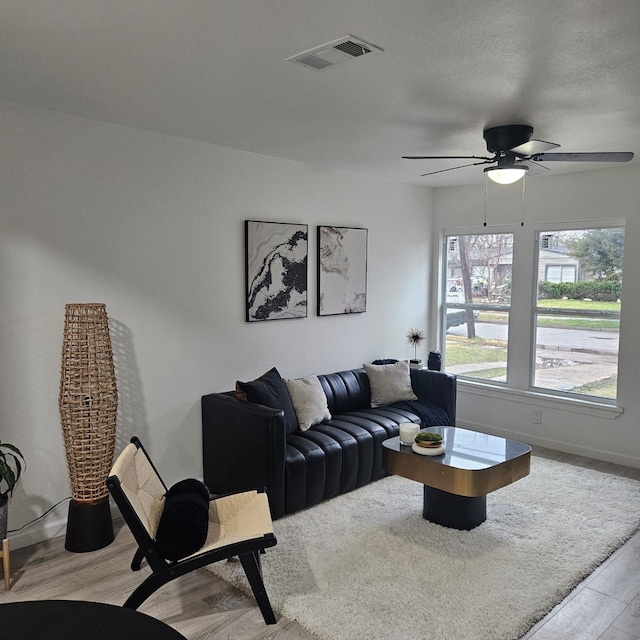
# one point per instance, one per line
(556, 369)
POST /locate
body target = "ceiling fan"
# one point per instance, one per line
(512, 147)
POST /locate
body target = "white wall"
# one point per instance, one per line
(594, 195)
(152, 225)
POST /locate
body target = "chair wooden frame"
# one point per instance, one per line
(248, 551)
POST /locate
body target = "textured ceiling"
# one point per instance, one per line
(215, 70)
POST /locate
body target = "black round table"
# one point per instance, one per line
(76, 619)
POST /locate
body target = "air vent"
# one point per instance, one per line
(333, 53)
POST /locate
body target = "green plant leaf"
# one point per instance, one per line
(11, 447)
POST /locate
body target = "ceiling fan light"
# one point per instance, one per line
(506, 175)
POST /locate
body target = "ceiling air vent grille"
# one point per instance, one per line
(333, 53)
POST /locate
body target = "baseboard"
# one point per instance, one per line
(556, 445)
(38, 532)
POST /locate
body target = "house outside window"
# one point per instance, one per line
(575, 300)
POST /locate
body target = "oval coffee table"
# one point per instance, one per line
(76, 619)
(457, 482)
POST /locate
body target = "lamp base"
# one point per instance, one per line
(89, 526)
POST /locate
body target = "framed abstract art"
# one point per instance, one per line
(276, 270)
(342, 270)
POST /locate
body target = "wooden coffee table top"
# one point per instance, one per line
(473, 464)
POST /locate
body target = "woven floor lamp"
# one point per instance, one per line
(88, 410)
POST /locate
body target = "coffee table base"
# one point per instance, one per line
(453, 511)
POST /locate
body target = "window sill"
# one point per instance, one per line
(539, 398)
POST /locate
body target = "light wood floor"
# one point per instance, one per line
(199, 605)
(606, 606)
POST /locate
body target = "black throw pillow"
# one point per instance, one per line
(270, 390)
(184, 522)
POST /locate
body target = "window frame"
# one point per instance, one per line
(538, 310)
(522, 330)
(445, 247)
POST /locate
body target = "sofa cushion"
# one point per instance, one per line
(184, 522)
(389, 383)
(309, 474)
(346, 390)
(360, 431)
(309, 401)
(270, 390)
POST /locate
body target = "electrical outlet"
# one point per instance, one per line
(536, 416)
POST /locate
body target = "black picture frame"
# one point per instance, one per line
(276, 258)
(342, 270)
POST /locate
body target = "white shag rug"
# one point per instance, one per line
(366, 565)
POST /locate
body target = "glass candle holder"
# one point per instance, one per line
(408, 432)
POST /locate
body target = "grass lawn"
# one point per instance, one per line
(488, 374)
(554, 321)
(461, 350)
(570, 323)
(591, 305)
(606, 388)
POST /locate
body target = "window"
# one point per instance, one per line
(476, 304)
(560, 273)
(577, 319)
(571, 289)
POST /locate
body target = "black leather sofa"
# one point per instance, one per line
(246, 445)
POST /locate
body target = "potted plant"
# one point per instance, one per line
(11, 464)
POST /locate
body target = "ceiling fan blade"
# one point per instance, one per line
(536, 169)
(446, 158)
(533, 147)
(620, 156)
(473, 164)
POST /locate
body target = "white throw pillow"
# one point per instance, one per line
(389, 383)
(309, 401)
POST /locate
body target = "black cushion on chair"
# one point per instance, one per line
(184, 523)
